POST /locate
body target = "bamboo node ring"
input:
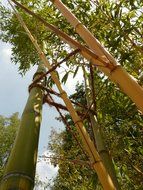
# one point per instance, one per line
(93, 164)
(63, 93)
(114, 69)
(16, 174)
(79, 121)
(78, 24)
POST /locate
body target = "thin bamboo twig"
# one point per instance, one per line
(74, 161)
(88, 144)
(85, 108)
(55, 104)
(93, 88)
(62, 107)
(134, 44)
(54, 67)
(135, 167)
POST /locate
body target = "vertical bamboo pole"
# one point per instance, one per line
(118, 75)
(88, 144)
(99, 139)
(20, 169)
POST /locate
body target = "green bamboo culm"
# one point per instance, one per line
(20, 169)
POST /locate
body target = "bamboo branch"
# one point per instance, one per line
(74, 161)
(114, 71)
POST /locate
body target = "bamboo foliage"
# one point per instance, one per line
(20, 169)
(118, 75)
(88, 144)
(84, 51)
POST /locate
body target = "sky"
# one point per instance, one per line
(13, 97)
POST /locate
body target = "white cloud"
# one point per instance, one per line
(5, 3)
(71, 82)
(45, 171)
(6, 52)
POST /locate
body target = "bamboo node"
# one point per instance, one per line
(93, 164)
(41, 53)
(37, 82)
(63, 93)
(78, 121)
(114, 68)
(78, 24)
(31, 86)
(17, 174)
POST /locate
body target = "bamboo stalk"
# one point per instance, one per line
(97, 132)
(88, 144)
(118, 75)
(20, 169)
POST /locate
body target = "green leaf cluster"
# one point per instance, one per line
(8, 131)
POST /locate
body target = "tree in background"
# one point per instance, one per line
(8, 131)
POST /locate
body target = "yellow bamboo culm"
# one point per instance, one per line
(88, 144)
(118, 75)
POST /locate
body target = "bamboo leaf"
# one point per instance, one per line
(65, 77)
(76, 71)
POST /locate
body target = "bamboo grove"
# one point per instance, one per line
(20, 172)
